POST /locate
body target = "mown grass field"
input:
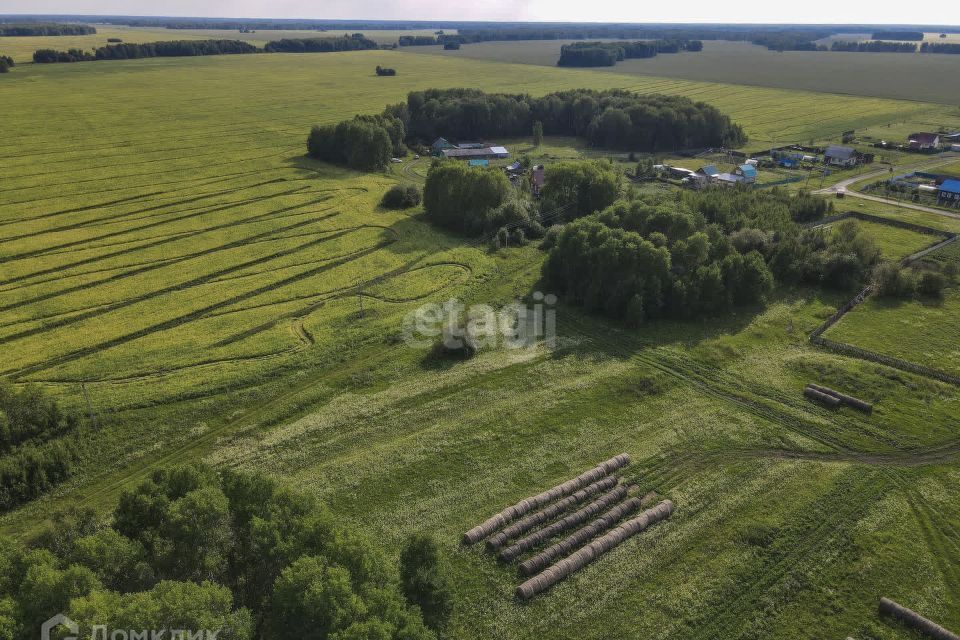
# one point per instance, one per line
(180, 258)
(921, 331)
(21, 48)
(885, 75)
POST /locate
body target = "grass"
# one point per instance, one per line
(894, 243)
(920, 331)
(181, 258)
(881, 75)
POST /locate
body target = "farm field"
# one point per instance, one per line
(884, 75)
(182, 259)
(21, 48)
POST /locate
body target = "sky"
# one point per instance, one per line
(945, 12)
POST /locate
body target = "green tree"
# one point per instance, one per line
(580, 187)
(423, 581)
(537, 134)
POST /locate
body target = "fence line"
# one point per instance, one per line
(816, 336)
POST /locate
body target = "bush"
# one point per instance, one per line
(451, 46)
(384, 71)
(114, 40)
(401, 196)
(931, 283)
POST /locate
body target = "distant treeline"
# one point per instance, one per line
(939, 47)
(46, 30)
(615, 119)
(788, 42)
(898, 35)
(124, 51)
(875, 46)
(638, 32)
(355, 42)
(607, 54)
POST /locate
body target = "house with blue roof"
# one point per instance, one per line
(480, 163)
(747, 172)
(949, 194)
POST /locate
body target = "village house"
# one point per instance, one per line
(489, 153)
(440, 145)
(923, 141)
(747, 173)
(949, 194)
(838, 156)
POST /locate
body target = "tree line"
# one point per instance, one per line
(354, 42)
(231, 553)
(39, 444)
(875, 46)
(714, 250)
(14, 30)
(615, 119)
(126, 50)
(607, 54)
(898, 35)
(940, 47)
(176, 48)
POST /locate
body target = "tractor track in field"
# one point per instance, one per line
(180, 286)
(153, 266)
(841, 509)
(20, 372)
(173, 237)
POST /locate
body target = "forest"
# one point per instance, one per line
(18, 30)
(615, 119)
(875, 46)
(607, 54)
(646, 258)
(232, 552)
(355, 42)
(164, 49)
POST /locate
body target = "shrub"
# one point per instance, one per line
(931, 283)
(401, 196)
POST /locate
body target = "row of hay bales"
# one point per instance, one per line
(831, 398)
(527, 505)
(549, 513)
(596, 524)
(587, 554)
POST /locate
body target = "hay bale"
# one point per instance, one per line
(527, 505)
(821, 397)
(587, 554)
(915, 620)
(549, 513)
(850, 401)
(580, 537)
(575, 519)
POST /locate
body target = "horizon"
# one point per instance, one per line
(750, 12)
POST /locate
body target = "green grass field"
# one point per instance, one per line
(884, 75)
(164, 242)
(924, 332)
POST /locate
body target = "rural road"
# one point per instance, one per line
(844, 185)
